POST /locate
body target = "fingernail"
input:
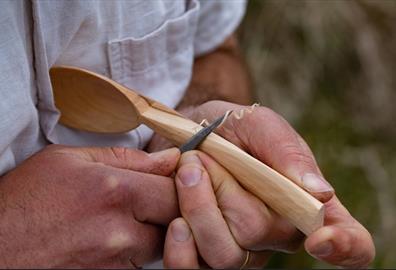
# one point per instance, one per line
(315, 183)
(324, 249)
(180, 231)
(163, 153)
(189, 175)
(190, 158)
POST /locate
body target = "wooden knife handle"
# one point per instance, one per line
(281, 194)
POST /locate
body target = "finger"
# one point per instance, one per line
(158, 143)
(199, 208)
(253, 225)
(343, 241)
(147, 244)
(179, 250)
(121, 240)
(159, 163)
(150, 198)
(275, 143)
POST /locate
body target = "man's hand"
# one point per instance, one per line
(225, 222)
(86, 207)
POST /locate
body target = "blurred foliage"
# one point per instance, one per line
(328, 67)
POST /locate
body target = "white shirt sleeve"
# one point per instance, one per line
(218, 19)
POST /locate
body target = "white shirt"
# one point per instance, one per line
(147, 45)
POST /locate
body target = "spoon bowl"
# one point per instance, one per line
(91, 102)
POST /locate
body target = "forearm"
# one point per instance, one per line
(220, 75)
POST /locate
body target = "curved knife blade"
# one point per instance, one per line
(198, 138)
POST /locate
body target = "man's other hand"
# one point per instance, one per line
(227, 220)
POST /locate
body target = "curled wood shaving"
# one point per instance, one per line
(238, 115)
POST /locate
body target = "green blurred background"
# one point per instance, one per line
(329, 68)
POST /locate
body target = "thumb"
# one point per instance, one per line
(343, 241)
(269, 138)
(346, 246)
(284, 150)
(159, 163)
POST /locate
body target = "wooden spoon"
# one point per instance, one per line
(92, 102)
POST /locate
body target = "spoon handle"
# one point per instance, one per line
(281, 194)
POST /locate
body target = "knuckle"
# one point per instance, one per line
(228, 258)
(198, 210)
(119, 153)
(126, 154)
(114, 190)
(250, 232)
(118, 240)
(254, 234)
(111, 182)
(295, 154)
(352, 255)
(114, 236)
(251, 226)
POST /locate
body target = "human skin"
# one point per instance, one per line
(90, 207)
(86, 207)
(234, 217)
(220, 220)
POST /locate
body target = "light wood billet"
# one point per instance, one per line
(280, 193)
